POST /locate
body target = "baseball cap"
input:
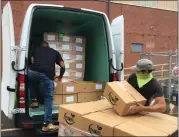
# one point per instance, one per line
(143, 65)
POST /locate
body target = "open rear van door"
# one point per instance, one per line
(8, 56)
(117, 28)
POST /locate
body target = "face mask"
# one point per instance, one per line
(143, 79)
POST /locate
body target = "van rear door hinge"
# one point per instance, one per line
(18, 48)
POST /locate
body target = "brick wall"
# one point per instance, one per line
(138, 23)
(142, 25)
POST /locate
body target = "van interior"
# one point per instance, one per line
(73, 22)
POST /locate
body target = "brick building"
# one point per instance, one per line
(146, 29)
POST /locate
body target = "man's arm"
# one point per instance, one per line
(62, 69)
(159, 106)
(32, 60)
(60, 62)
(32, 56)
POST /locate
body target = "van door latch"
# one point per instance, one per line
(18, 48)
(10, 89)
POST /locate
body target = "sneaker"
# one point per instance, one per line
(49, 127)
(34, 104)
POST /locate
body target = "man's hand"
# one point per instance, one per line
(32, 60)
(59, 78)
(160, 106)
(136, 109)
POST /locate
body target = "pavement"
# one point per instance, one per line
(9, 130)
(18, 133)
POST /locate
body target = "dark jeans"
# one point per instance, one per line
(48, 88)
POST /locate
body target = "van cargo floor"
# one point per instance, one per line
(40, 111)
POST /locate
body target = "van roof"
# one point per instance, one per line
(61, 6)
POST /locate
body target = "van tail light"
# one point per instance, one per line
(115, 77)
(28, 126)
(22, 101)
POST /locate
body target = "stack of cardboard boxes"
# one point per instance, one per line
(108, 117)
(77, 92)
(72, 50)
(72, 89)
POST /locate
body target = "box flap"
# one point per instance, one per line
(87, 107)
(131, 128)
(112, 113)
(138, 97)
(79, 108)
(121, 93)
(102, 104)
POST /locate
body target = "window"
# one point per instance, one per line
(135, 47)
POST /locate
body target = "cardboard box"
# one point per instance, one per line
(65, 99)
(53, 44)
(65, 38)
(58, 100)
(76, 70)
(70, 47)
(161, 122)
(122, 96)
(131, 128)
(100, 124)
(75, 65)
(71, 56)
(72, 39)
(66, 79)
(79, 40)
(74, 86)
(152, 124)
(66, 87)
(74, 74)
(114, 114)
(77, 74)
(87, 86)
(90, 96)
(109, 123)
(65, 47)
(50, 36)
(71, 114)
(103, 123)
(71, 98)
(71, 73)
(171, 119)
(65, 130)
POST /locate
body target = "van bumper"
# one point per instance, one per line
(25, 122)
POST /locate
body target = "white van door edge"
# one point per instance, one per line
(8, 56)
(117, 28)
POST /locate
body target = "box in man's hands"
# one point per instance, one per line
(122, 96)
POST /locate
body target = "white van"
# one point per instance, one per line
(104, 52)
